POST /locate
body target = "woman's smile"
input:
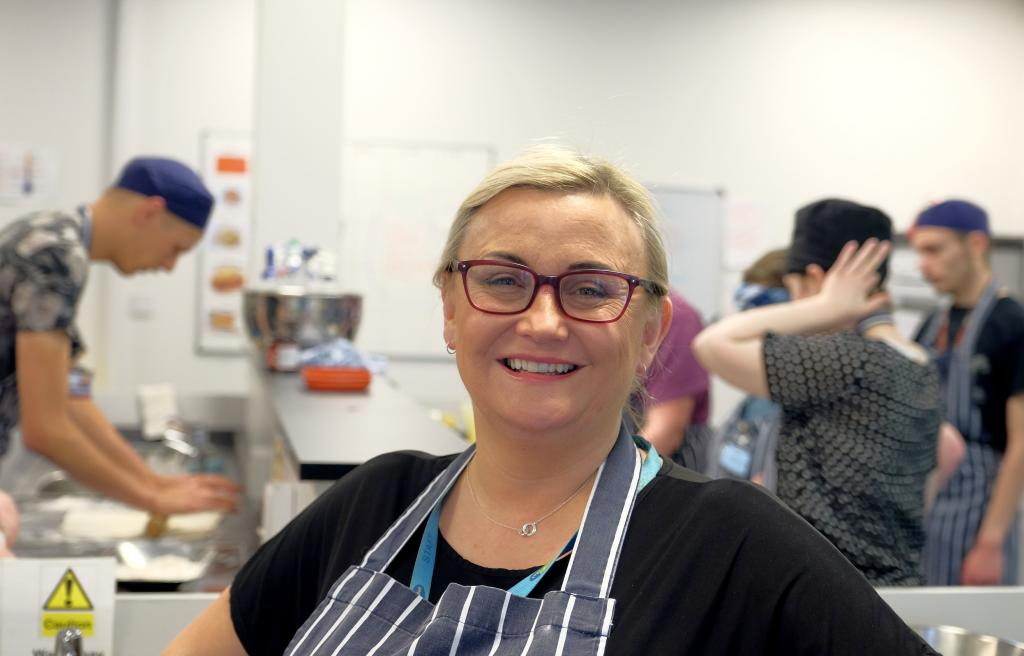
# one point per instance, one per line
(539, 369)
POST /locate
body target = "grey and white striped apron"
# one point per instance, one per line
(952, 524)
(368, 613)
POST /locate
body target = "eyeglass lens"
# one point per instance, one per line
(588, 296)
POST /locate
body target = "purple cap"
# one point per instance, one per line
(184, 193)
(958, 215)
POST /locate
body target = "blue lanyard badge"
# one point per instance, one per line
(423, 571)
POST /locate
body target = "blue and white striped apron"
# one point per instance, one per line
(952, 524)
(368, 613)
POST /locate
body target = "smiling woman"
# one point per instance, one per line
(558, 531)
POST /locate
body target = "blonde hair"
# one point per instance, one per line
(560, 169)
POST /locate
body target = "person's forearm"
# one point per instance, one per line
(108, 439)
(808, 315)
(1005, 496)
(63, 442)
(732, 348)
(212, 632)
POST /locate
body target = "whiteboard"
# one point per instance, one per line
(398, 201)
(692, 224)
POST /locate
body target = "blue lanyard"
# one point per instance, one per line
(423, 571)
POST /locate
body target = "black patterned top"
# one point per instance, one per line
(43, 268)
(856, 442)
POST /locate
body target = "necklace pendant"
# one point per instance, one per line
(528, 530)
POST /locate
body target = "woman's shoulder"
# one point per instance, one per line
(730, 530)
(683, 505)
(746, 569)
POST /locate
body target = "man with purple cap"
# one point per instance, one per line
(973, 526)
(156, 211)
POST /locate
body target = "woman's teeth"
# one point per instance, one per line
(516, 364)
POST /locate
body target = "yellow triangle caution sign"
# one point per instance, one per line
(68, 595)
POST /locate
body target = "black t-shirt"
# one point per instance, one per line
(998, 363)
(708, 567)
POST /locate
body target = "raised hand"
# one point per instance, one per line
(850, 286)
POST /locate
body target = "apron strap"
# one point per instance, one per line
(592, 564)
(390, 544)
(962, 410)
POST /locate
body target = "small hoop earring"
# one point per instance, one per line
(448, 347)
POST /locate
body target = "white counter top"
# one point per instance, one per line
(329, 433)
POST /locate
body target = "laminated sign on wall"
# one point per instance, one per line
(40, 597)
(226, 169)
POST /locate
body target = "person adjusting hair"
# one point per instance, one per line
(973, 525)
(860, 403)
(557, 532)
(155, 211)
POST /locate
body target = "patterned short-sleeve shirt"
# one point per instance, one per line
(43, 268)
(856, 442)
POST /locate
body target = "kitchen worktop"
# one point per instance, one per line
(327, 434)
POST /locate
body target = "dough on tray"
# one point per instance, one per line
(125, 523)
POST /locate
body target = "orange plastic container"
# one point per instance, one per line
(336, 379)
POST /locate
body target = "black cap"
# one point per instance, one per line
(825, 226)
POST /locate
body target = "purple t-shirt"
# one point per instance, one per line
(675, 372)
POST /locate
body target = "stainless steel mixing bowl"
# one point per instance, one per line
(954, 641)
(296, 314)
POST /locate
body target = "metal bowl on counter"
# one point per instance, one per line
(159, 566)
(954, 641)
(300, 315)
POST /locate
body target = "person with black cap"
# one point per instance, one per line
(860, 403)
(973, 526)
(156, 211)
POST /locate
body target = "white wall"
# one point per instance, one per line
(778, 102)
(299, 99)
(183, 67)
(55, 78)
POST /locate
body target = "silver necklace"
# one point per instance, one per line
(529, 529)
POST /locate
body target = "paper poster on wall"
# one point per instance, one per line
(223, 253)
(26, 172)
